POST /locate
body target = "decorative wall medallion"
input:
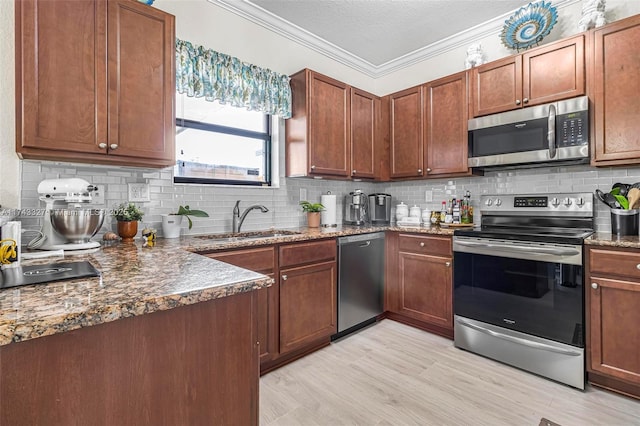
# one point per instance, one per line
(529, 25)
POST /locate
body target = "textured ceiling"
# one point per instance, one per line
(381, 31)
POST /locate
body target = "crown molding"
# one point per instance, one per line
(272, 22)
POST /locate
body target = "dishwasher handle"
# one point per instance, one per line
(367, 244)
(361, 238)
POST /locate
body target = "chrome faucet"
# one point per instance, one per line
(239, 218)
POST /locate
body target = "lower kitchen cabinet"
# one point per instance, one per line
(308, 292)
(419, 290)
(260, 260)
(613, 314)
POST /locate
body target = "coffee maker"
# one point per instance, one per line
(355, 209)
(380, 209)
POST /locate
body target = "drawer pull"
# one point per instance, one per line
(594, 286)
(638, 266)
(421, 244)
(284, 278)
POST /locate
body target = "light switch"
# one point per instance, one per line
(428, 195)
(303, 194)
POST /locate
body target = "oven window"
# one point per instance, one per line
(539, 298)
(509, 138)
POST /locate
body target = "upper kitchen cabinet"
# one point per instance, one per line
(333, 131)
(614, 91)
(545, 74)
(95, 82)
(445, 130)
(406, 123)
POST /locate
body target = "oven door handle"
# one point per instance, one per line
(528, 249)
(518, 340)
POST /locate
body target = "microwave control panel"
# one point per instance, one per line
(572, 129)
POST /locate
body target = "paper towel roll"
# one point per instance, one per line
(328, 215)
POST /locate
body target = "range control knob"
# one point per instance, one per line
(489, 202)
(566, 202)
(498, 202)
(555, 202)
(580, 202)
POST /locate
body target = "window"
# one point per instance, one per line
(221, 144)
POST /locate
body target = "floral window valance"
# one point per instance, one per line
(202, 72)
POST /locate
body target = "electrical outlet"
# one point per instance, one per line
(97, 195)
(303, 194)
(139, 192)
(428, 195)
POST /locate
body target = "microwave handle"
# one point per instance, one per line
(551, 134)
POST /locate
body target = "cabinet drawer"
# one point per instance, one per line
(425, 244)
(614, 262)
(257, 260)
(298, 254)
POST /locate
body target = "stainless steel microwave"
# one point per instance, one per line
(540, 135)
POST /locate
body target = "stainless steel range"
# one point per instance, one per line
(518, 283)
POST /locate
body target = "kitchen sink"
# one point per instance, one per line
(251, 235)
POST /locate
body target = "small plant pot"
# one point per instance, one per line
(171, 225)
(127, 230)
(313, 219)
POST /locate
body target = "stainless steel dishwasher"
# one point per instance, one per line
(360, 281)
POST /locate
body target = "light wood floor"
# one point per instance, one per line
(393, 374)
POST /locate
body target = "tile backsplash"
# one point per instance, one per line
(282, 202)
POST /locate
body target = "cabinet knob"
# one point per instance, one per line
(517, 101)
(594, 286)
(353, 172)
(525, 100)
(102, 145)
(447, 264)
(284, 278)
(313, 167)
(428, 170)
(113, 146)
(638, 266)
(419, 170)
(421, 244)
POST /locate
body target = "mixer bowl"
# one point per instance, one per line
(77, 225)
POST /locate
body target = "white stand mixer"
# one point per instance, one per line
(66, 196)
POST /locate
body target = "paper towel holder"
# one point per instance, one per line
(328, 214)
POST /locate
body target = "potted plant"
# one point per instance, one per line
(171, 222)
(127, 215)
(313, 213)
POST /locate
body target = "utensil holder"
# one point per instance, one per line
(624, 222)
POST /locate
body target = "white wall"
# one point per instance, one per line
(9, 163)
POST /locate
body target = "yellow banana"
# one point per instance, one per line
(8, 251)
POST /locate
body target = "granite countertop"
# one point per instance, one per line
(612, 240)
(139, 280)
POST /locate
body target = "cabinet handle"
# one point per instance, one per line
(421, 244)
(284, 278)
(102, 145)
(517, 101)
(419, 170)
(525, 100)
(447, 264)
(113, 146)
(594, 286)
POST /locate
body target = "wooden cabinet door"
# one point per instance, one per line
(328, 126)
(61, 91)
(363, 133)
(308, 307)
(445, 133)
(141, 73)
(425, 288)
(614, 91)
(553, 72)
(406, 133)
(496, 86)
(260, 260)
(613, 308)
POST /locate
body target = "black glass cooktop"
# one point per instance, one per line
(39, 274)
